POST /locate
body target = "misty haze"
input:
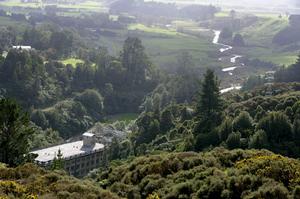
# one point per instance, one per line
(150, 99)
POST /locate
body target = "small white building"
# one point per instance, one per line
(22, 47)
(79, 157)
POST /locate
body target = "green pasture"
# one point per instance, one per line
(72, 61)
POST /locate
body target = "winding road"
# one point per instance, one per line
(233, 60)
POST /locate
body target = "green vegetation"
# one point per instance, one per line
(162, 31)
(86, 5)
(29, 181)
(263, 30)
(258, 38)
(163, 45)
(216, 174)
(127, 117)
(83, 71)
(72, 61)
(61, 96)
(15, 132)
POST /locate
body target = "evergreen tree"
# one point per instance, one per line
(15, 131)
(234, 140)
(115, 149)
(260, 113)
(259, 140)
(207, 140)
(148, 128)
(225, 129)
(277, 127)
(166, 120)
(39, 118)
(58, 161)
(209, 104)
(135, 61)
(243, 124)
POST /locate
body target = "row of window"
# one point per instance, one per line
(81, 164)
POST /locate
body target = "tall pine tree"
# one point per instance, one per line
(209, 104)
(15, 131)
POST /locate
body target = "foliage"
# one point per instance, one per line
(277, 127)
(58, 161)
(30, 182)
(44, 138)
(225, 129)
(234, 140)
(215, 174)
(259, 140)
(243, 123)
(15, 131)
(209, 104)
(238, 40)
(289, 74)
(226, 33)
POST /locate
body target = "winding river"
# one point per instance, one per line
(233, 60)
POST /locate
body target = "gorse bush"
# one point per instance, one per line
(219, 173)
(30, 182)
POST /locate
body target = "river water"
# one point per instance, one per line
(233, 60)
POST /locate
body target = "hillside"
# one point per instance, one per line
(30, 182)
(219, 173)
(145, 99)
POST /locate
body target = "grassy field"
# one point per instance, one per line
(18, 3)
(95, 6)
(72, 61)
(282, 59)
(163, 45)
(271, 55)
(153, 29)
(258, 38)
(262, 32)
(126, 117)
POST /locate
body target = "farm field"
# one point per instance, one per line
(258, 38)
(163, 45)
(95, 6)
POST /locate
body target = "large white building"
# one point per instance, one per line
(79, 157)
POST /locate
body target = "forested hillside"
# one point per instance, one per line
(175, 100)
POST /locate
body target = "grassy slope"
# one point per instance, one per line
(72, 61)
(126, 117)
(87, 6)
(164, 45)
(259, 38)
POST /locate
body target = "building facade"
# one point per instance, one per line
(79, 157)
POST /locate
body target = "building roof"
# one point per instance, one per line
(68, 150)
(88, 134)
(22, 47)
